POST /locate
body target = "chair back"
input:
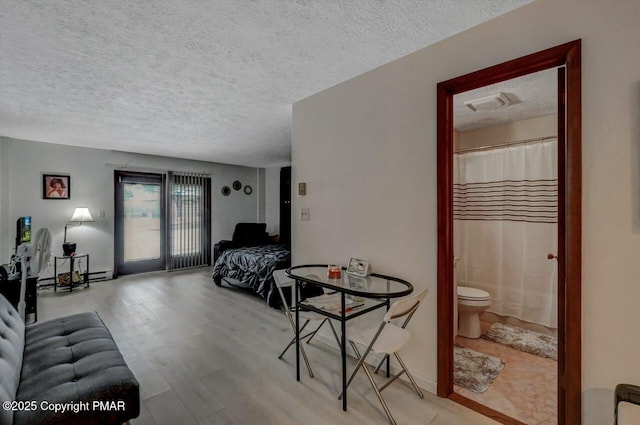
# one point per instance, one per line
(250, 234)
(405, 307)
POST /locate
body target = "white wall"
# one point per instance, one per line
(92, 184)
(530, 128)
(260, 195)
(3, 236)
(367, 147)
(272, 198)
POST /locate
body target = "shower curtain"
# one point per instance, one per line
(505, 224)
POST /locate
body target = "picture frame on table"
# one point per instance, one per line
(358, 267)
(56, 186)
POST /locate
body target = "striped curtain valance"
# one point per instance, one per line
(532, 201)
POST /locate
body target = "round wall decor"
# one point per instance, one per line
(237, 185)
(248, 190)
(226, 190)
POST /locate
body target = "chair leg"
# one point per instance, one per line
(390, 380)
(333, 329)
(306, 361)
(355, 369)
(375, 387)
(361, 357)
(405, 370)
(335, 334)
(381, 363)
(312, 334)
(293, 340)
(304, 353)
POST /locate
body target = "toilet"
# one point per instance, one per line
(471, 303)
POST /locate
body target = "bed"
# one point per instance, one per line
(252, 268)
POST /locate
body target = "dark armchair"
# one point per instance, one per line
(244, 235)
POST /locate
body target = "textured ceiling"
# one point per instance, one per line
(533, 95)
(209, 80)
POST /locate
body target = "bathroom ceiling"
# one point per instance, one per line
(533, 95)
(207, 80)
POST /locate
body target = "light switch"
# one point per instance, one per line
(304, 214)
(302, 189)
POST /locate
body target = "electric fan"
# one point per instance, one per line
(32, 258)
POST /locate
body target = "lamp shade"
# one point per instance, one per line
(80, 215)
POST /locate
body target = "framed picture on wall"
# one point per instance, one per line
(56, 186)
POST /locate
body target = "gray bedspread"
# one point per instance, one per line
(253, 268)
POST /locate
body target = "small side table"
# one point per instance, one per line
(72, 260)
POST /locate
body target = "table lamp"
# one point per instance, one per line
(80, 215)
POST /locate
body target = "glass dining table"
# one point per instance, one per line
(347, 297)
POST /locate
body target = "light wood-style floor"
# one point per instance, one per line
(208, 355)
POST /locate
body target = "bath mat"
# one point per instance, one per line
(474, 371)
(524, 340)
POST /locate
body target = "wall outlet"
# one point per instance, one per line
(304, 214)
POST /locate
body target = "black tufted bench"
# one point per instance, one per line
(69, 364)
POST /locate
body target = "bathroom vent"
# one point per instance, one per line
(494, 101)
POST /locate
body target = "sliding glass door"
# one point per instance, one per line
(140, 229)
(161, 221)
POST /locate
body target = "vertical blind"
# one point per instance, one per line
(189, 220)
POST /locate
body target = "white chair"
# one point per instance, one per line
(387, 339)
(283, 281)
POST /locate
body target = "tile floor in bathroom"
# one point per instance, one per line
(525, 389)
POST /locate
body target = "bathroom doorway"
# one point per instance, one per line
(499, 248)
(505, 215)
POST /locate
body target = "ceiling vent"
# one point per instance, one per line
(493, 101)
